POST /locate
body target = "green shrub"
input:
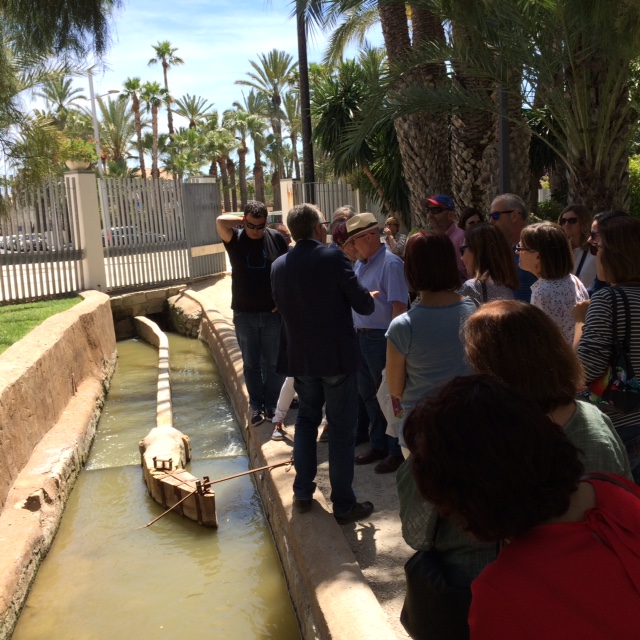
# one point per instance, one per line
(634, 185)
(549, 210)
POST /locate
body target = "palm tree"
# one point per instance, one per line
(271, 77)
(165, 54)
(255, 105)
(220, 143)
(153, 95)
(189, 146)
(132, 88)
(117, 128)
(291, 104)
(60, 96)
(193, 108)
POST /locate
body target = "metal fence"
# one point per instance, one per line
(327, 196)
(143, 233)
(40, 250)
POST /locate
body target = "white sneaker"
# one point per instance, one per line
(278, 432)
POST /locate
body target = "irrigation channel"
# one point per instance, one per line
(107, 578)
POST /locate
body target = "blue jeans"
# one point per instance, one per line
(258, 335)
(373, 358)
(340, 393)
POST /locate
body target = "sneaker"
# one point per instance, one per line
(257, 417)
(359, 511)
(278, 432)
(324, 436)
(270, 414)
(302, 505)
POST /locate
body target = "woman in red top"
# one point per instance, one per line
(570, 567)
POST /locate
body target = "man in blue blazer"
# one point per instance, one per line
(315, 289)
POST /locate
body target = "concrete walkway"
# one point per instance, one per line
(377, 544)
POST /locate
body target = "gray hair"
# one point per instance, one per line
(344, 212)
(515, 202)
(302, 220)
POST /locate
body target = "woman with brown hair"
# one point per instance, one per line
(617, 244)
(575, 221)
(487, 456)
(488, 258)
(469, 217)
(545, 252)
(532, 356)
(424, 349)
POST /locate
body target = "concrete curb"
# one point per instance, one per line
(38, 494)
(329, 592)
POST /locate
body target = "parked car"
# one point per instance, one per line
(120, 236)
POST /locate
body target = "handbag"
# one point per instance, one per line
(433, 609)
(618, 387)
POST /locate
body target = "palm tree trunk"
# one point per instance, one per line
(275, 184)
(242, 171)
(294, 159)
(225, 184)
(213, 169)
(305, 100)
(376, 185)
(422, 138)
(155, 173)
(165, 66)
(136, 115)
(258, 176)
(231, 170)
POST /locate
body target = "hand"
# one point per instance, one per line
(387, 231)
(374, 294)
(579, 312)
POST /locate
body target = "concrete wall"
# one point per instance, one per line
(52, 387)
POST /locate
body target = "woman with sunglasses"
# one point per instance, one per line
(488, 258)
(618, 250)
(576, 221)
(545, 252)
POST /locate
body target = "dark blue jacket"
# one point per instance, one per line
(315, 288)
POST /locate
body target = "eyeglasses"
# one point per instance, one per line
(257, 227)
(325, 224)
(463, 248)
(568, 220)
(594, 235)
(519, 249)
(495, 215)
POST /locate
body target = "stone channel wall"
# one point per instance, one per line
(52, 387)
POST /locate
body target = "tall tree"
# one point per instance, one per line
(153, 95)
(165, 54)
(132, 88)
(271, 77)
(193, 108)
(291, 108)
(60, 95)
(117, 129)
(220, 143)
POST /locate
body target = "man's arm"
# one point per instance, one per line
(398, 308)
(225, 224)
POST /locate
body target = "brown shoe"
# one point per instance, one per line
(389, 464)
(371, 456)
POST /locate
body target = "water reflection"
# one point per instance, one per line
(107, 578)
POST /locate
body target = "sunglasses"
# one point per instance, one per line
(495, 215)
(463, 248)
(519, 249)
(257, 227)
(568, 220)
(436, 210)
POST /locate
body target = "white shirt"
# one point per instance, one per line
(557, 299)
(588, 272)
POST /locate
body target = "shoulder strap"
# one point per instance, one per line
(614, 314)
(484, 290)
(584, 257)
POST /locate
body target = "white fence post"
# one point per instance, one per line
(286, 196)
(82, 195)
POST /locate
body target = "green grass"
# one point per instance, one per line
(16, 320)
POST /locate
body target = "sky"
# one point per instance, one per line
(215, 38)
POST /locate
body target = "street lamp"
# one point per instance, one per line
(96, 135)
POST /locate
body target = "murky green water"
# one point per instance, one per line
(106, 578)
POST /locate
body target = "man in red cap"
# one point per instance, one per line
(441, 213)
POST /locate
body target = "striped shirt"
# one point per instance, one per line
(596, 344)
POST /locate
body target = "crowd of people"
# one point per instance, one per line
(491, 364)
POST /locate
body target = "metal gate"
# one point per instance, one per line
(202, 205)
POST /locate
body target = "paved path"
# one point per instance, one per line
(377, 544)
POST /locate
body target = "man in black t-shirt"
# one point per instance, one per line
(251, 251)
